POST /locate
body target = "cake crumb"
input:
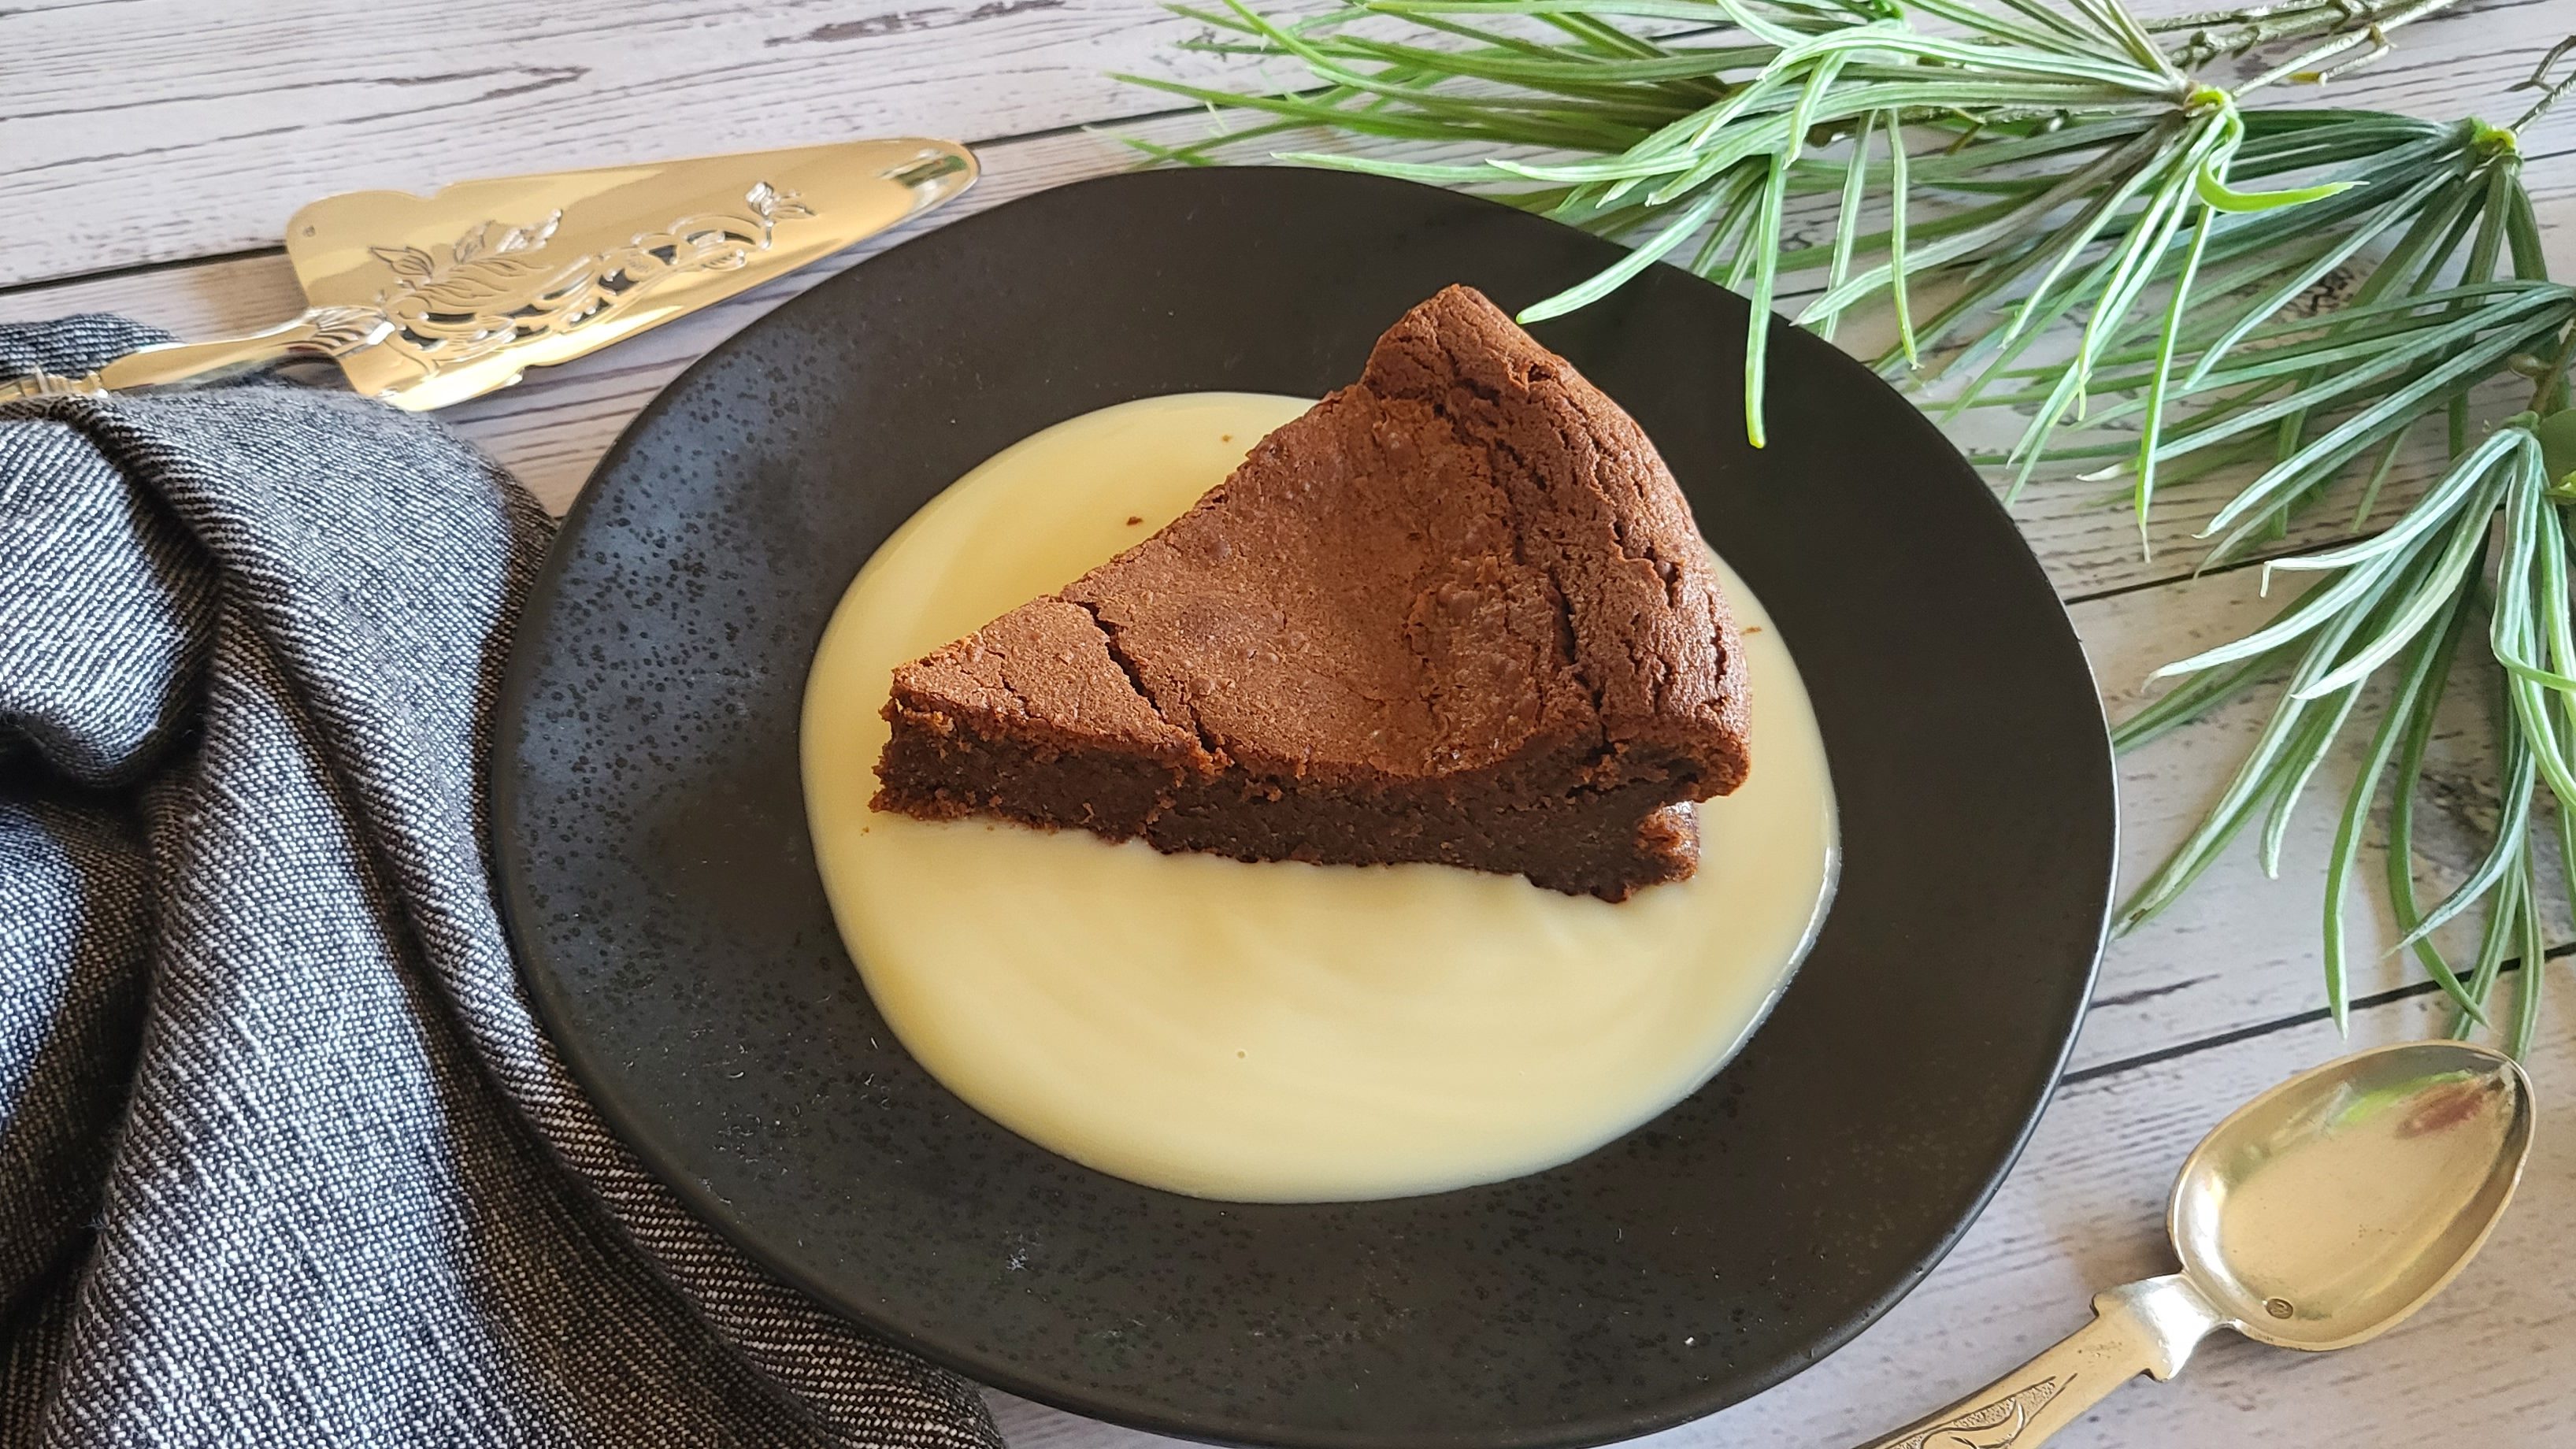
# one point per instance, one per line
(1134, 518)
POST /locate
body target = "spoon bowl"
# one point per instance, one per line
(2322, 1213)
(2314, 1217)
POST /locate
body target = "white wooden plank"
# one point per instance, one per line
(2484, 1365)
(168, 129)
(192, 300)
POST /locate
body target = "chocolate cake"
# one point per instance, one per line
(1456, 612)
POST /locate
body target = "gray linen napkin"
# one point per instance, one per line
(284, 1159)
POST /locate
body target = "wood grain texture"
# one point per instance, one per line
(2484, 1365)
(155, 130)
(164, 142)
(221, 120)
(2241, 949)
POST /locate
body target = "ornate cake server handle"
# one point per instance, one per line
(2139, 1328)
(425, 301)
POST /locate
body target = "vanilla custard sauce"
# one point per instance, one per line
(1272, 1032)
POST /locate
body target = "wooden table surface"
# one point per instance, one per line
(150, 151)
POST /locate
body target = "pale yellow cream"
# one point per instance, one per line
(1276, 1032)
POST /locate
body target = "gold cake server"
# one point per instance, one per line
(430, 300)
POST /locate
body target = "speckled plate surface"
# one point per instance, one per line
(652, 848)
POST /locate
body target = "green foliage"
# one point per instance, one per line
(2062, 216)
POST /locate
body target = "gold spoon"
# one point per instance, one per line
(2316, 1216)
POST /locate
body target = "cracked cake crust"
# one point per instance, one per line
(1456, 612)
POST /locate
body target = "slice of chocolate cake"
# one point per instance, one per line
(1457, 612)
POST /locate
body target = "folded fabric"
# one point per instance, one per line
(284, 1158)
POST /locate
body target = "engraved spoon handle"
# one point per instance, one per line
(2141, 1328)
(321, 332)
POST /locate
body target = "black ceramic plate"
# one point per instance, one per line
(652, 847)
